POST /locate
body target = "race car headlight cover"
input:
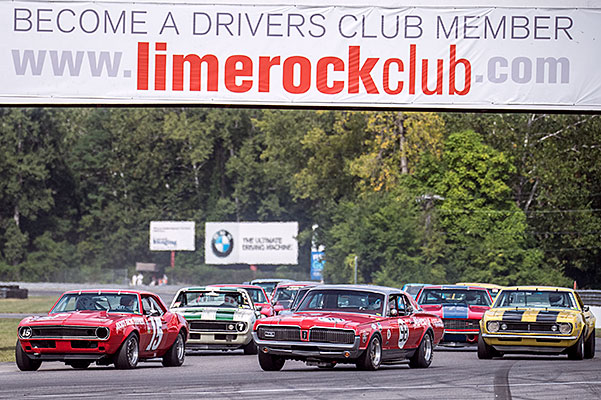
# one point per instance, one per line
(492, 326)
(565, 328)
(25, 332)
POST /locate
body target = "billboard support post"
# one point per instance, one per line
(173, 259)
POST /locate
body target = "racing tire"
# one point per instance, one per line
(23, 361)
(424, 354)
(129, 353)
(250, 348)
(79, 364)
(576, 352)
(175, 356)
(271, 363)
(486, 351)
(371, 359)
(589, 346)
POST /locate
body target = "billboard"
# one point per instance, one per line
(172, 236)
(463, 55)
(251, 243)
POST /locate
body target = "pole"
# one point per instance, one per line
(173, 259)
(355, 270)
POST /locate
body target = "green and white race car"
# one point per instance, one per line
(220, 318)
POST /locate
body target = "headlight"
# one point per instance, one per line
(565, 328)
(102, 332)
(493, 326)
(25, 332)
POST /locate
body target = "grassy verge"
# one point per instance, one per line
(8, 338)
(34, 305)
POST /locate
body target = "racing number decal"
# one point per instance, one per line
(403, 333)
(157, 333)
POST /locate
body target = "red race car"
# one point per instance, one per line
(257, 293)
(360, 324)
(284, 294)
(461, 309)
(117, 327)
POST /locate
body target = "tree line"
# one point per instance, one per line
(504, 198)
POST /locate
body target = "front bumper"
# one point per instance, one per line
(217, 341)
(515, 343)
(303, 350)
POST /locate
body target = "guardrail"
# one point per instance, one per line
(590, 297)
(12, 292)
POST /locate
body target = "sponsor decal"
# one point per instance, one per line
(331, 319)
(122, 324)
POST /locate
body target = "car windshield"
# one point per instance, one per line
(413, 290)
(267, 286)
(211, 298)
(535, 299)
(340, 300)
(257, 295)
(472, 297)
(111, 302)
(299, 296)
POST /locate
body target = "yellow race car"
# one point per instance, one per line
(537, 320)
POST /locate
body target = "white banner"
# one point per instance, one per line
(172, 236)
(251, 243)
(478, 57)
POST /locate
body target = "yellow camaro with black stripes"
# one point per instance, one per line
(537, 320)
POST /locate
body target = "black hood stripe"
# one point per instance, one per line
(547, 316)
(511, 315)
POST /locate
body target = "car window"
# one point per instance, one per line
(151, 306)
(98, 301)
(343, 301)
(535, 299)
(472, 297)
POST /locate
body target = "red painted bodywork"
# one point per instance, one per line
(121, 325)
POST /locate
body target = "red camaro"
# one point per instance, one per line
(103, 326)
(360, 324)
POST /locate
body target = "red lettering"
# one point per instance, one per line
(468, 73)
(195, 63)
(305, 75)
(322, 75)
(143, 65)
(386, 78)
(265, 64)
(438, 89)
(232, 72)
(412, 62)
(364, 72)
(160, 70)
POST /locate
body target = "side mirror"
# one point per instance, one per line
(258, 308)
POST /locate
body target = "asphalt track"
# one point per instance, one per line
(232, 375)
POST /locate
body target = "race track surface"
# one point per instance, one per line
(219, 375)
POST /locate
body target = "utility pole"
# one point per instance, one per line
(356, 270)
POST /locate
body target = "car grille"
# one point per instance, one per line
(460, 324)
(533, 327)
(331, 336)
(287, 333)
(64, 332)
(212, 326)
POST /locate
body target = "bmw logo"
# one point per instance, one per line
(222, 243)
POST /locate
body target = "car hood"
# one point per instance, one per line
(84, 318)
(455, 310)
(532, 314)
(307, 320)
(214, 313)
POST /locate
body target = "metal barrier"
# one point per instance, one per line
(590, 297)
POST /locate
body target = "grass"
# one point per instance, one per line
(8, 338)
(33, 305)
(8, 326)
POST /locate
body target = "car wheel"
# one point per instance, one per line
(371, 358)
(589, 346)
(23, 361)
(251, 348)
(271, 363)
(175, 356)
(576, 352)
(129, 353)
(424, 354)
(79, 364)
(485, 351)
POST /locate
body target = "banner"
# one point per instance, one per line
(251, 243)
(428, 57)
(172, 236)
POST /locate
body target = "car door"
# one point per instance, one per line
(406, 331)
(154, 338)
